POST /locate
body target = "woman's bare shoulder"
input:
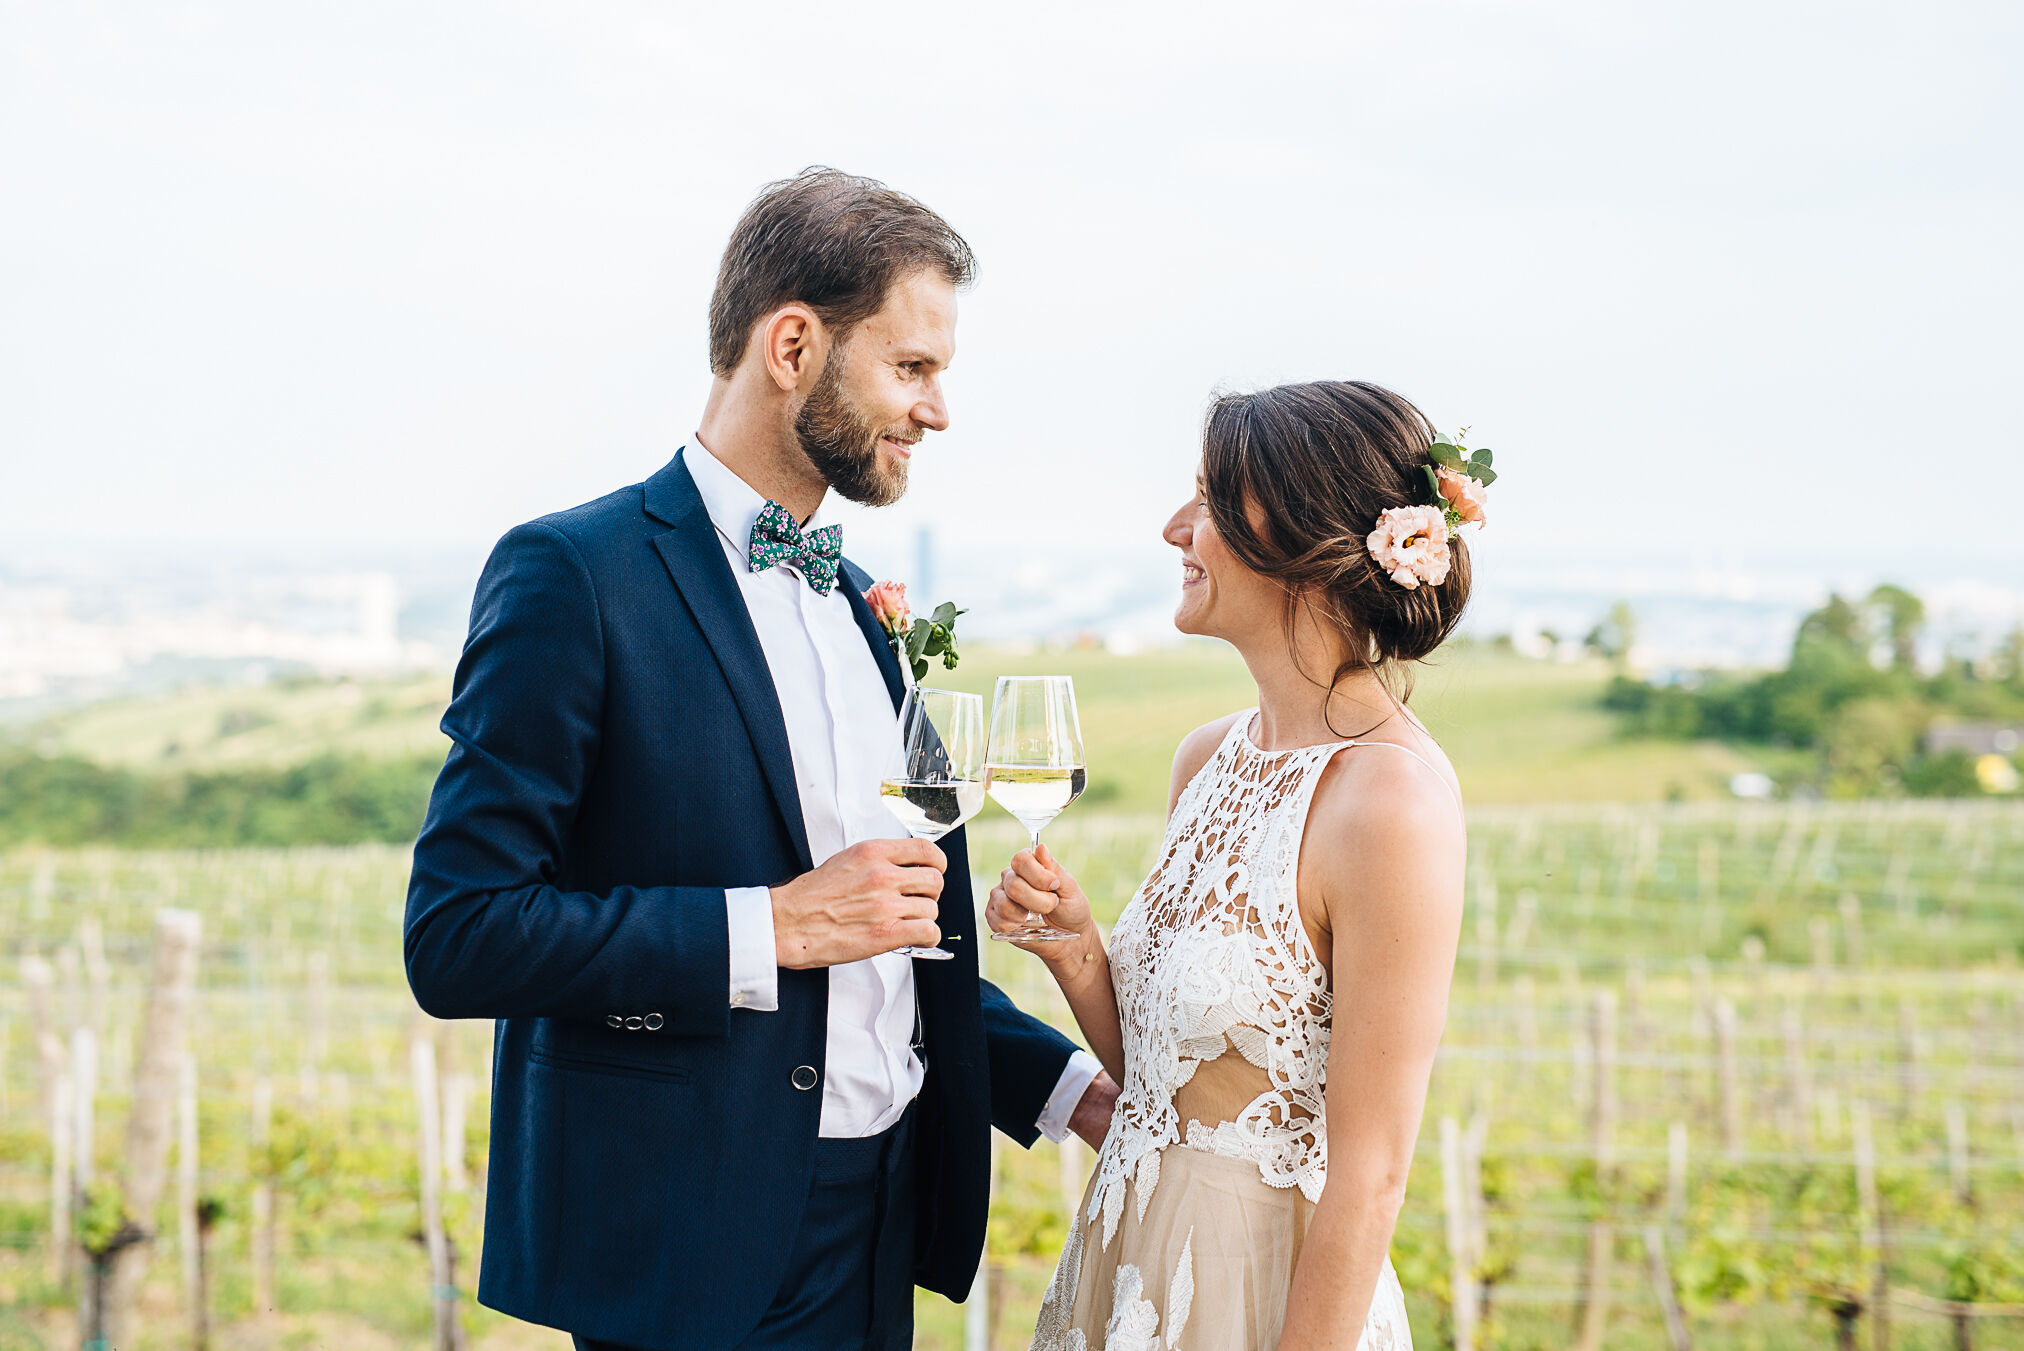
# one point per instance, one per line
(1387, 810)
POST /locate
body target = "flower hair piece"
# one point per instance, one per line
(1411, 543)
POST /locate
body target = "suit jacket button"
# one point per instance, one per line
(634, 1023)
(653, 1022)
(804, 1077)
(613, 1020)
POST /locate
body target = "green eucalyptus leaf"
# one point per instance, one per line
(1482, 457)
(937, 644)
(1433, 484)
(920, 670)
(1444, 454)
(1483, 474)
(918, 638)
(945, 613)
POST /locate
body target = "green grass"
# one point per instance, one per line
(285, 723)
(1518, 731)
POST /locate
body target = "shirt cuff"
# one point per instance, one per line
(755, 976)
(1068, 1091)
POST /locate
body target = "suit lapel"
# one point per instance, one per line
(858, 581)
(695, 560)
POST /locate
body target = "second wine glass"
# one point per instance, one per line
(940, 784)
(1035, 768)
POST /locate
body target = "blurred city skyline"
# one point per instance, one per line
(1730, 288)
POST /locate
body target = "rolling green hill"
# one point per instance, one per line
(1519, 731)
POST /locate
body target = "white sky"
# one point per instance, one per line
(1738, 277)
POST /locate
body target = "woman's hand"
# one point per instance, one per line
(1037, 883)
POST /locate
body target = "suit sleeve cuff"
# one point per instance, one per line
(755, 977)
(1068, 1090)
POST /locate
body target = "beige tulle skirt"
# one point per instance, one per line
(1207, 1267)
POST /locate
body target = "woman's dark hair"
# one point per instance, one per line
(831, 241)
(1295, 478)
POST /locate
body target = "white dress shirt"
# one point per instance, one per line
(843, 736)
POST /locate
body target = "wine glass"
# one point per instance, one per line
(1034, 767)
(940, 785)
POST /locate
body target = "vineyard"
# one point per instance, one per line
(1715, 1076)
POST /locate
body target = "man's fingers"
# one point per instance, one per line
(924, 934)
(926, 882)
(912, 853)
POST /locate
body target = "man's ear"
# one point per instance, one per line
(791, 343)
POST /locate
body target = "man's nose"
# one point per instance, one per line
(932, 412)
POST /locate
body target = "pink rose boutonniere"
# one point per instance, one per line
(914, 640)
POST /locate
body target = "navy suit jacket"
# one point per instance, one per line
(618, 760)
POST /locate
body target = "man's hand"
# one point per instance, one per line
(871, 898)
(1091, 1117)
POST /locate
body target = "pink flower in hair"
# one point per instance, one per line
(1464, 494)
(1411, 543)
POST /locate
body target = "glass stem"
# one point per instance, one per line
(1033, 917)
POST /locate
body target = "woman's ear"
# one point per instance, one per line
(791, 343)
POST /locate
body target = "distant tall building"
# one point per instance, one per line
(924, 567)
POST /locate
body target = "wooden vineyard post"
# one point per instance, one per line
(1869, 1220)
(1957, 1152)
(1854, 955)
(1595, 1279)
(456, 1099)
(1454, 1208)
(1796, 1071)
(442, 1279)
(150, 1123)
(83, 1101)
(261, 1220)
(1662, 1286)
(1725, 1068)
(189, 1224)
(40, 981)
(1912, 1081)
(1527, 1018)
(1676, 1173)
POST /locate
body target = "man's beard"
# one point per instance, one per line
(842, 443)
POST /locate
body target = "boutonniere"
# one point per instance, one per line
(914, 640)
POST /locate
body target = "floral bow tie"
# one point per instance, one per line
(776, 539)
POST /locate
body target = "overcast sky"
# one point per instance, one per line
(1738, 277)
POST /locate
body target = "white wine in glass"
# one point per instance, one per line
(940, 782)
(1035, 767)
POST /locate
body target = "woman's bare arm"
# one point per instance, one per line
(1082, 969)
(1385, 848)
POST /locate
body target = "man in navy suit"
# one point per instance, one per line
(725, 1112)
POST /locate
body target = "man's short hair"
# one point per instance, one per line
(831, 241)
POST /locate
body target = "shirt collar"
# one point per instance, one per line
(733, 504)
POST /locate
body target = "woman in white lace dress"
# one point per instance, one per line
(1272, 997)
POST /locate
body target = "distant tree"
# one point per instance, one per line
(1837, 627)
(1866, 723)
(1614, 634)
(1904, 620)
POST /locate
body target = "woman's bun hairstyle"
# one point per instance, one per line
(1295, 478)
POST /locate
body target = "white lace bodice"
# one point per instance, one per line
(1211, 956)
